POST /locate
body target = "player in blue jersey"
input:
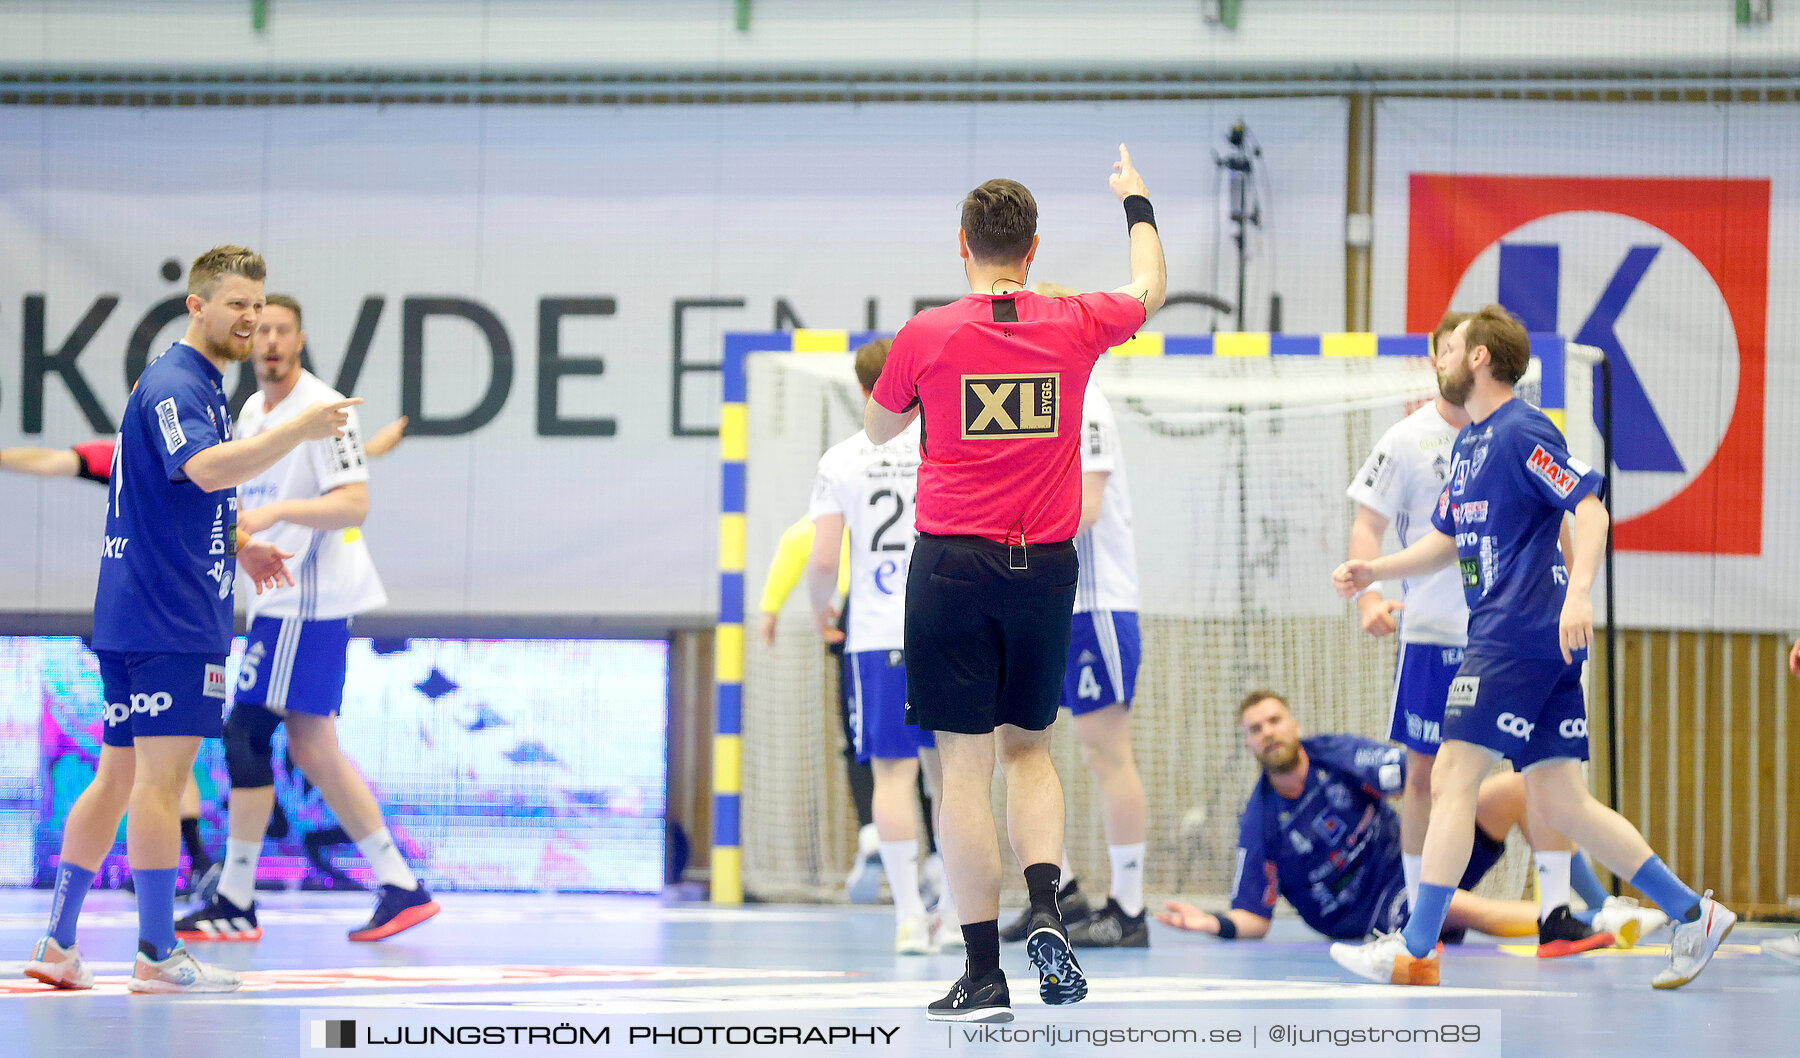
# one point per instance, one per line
(1518, 691)
(1319, 831)
(162, 617)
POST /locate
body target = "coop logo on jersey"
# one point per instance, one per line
(1553, 474)
(1001, 407)
(1669, 278)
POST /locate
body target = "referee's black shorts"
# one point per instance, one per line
(987, 644)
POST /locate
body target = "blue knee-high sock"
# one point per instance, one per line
(1585, 882)
(1427, 919)
(1656, 881)
(72, 884)
(156, 911)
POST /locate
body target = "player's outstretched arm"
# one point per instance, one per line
(234, 462)
(1375, 612)
(1149, 271)
(386, 439)
(1187, 916)
(1794, 659)
(883, 425)
(41, 462)
(822, 574)
(1428, 554)
(1576, 624)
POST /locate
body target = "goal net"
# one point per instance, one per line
(1237, 469)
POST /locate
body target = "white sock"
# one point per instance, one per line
(900, 859)
(1552, 880)
(1128, 877)
(384, 858)
(1410, 865)
(237, 882)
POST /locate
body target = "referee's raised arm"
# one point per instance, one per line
(1149, 272)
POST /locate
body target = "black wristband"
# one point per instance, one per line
(1137, 208)
(1227, 928)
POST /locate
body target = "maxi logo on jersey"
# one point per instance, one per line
(1692, 477)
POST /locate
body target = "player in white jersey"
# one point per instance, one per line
(1399, 485)
(312, 502)
(869, 489)
(1099, 681)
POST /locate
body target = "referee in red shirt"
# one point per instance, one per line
(999, 378)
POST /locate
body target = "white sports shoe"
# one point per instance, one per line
(180, 972)
(1386, 960)
(1694, 943)
(1787, 949)
(863, 884)
(1628, 922)
(57, 966)
(916, 935)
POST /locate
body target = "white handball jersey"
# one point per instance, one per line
(873, 486)
(334, 577)
(1401, 481)
(1108, 548)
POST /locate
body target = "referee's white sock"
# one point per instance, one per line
(237, 882)
(1128, 877)
(1553, 881)
(385, 860)
(1410, 865)
(900, 859)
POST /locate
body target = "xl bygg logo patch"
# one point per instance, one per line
(1001, 407)
(1669, 277)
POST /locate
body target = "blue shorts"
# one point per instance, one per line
(878, 707)
(1525, 709)
(1422, 675)
(153, 695)
(293, 665)
(1103, 661)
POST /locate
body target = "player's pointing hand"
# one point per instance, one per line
(326, 418)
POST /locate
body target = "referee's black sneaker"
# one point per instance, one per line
(398, 909)
(1060, 980)
(1070, 904)
(1111, 927)
(984, 1000)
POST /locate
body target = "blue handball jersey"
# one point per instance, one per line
(1333, 850)
(1511, 479)
(170, 555)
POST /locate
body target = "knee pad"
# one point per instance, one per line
(248, 750)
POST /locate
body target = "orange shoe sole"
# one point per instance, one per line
(54, 982)
(1556, 949)
(1411, 971)
(405, 920)
(218, 938)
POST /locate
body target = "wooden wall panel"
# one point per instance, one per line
(1709, 764)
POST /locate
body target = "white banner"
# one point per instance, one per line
(543, 290)
(1669, 237)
